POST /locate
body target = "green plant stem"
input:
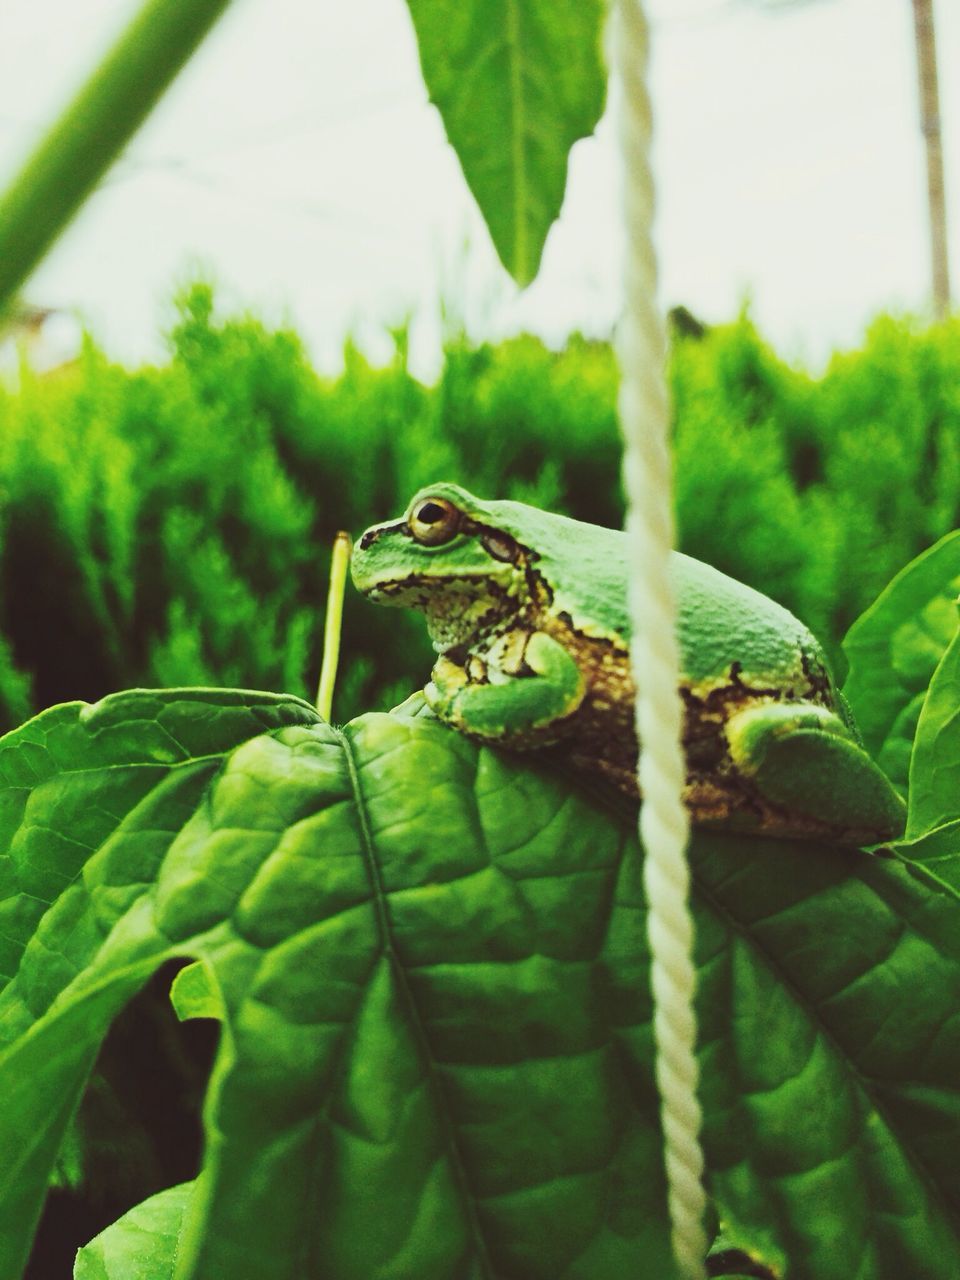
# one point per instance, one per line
(93, 130)
(339, 561)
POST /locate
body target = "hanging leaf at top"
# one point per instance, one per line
(517, 83)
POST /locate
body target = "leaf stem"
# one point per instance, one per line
(339, 561)
(94, 129)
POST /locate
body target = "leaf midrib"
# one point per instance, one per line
(518, 125)
(383, 922)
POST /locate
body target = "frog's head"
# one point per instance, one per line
(449, 557)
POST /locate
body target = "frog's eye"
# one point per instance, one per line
(434, 520)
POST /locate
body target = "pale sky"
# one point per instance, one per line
(298, 162)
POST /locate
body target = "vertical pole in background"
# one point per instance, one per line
(933, 145)
(664, 823)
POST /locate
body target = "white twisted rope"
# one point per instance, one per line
(664, 824)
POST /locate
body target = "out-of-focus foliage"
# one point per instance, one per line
(80, 146)
(172, 525)
(818, 490)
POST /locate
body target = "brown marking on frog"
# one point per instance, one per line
(598, 736)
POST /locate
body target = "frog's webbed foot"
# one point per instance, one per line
(803, 759)
(512, 710)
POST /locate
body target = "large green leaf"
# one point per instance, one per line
(934, 797)
(894, 649)
(436, 1047)
(142, 1245)
(517, 82)
(90, 800)
(412, 1062)
(938, 850)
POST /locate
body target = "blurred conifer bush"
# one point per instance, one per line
(172, 525)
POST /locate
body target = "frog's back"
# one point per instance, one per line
(721, 622)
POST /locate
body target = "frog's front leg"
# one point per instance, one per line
(803, 759)
(512, 700)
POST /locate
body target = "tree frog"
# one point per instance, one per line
(528, 614)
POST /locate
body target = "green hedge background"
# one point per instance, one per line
(172, 525)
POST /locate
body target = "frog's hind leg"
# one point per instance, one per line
(803, 760)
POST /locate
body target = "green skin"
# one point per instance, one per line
(528, 613)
